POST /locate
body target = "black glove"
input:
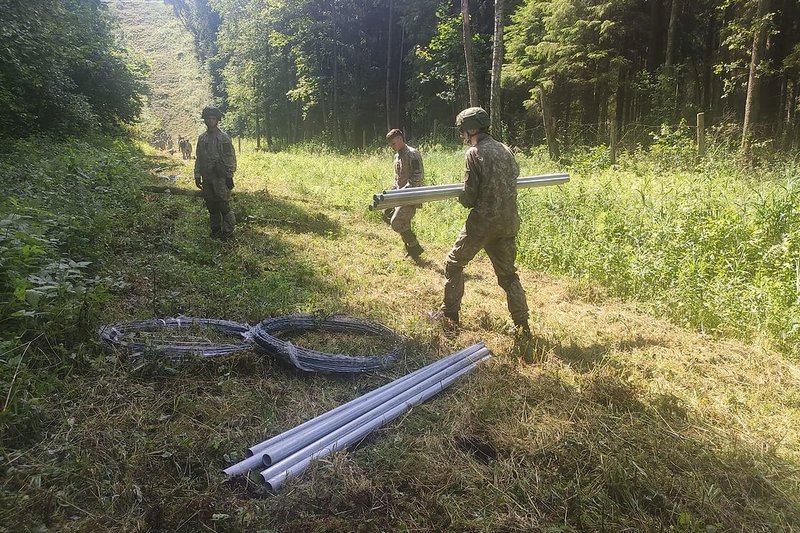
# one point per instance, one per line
(387, 215)
(198, 181)
(229, 182)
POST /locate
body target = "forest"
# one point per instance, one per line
(555, 72)
(565, 72)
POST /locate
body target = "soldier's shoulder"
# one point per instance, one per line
(202, 136)
(224, 136)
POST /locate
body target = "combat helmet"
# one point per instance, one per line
(210, 111)
(472, 118)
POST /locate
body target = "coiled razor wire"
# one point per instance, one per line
(129, 335)
(314, 361)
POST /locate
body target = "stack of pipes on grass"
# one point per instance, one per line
(420, 195)
(287, 455)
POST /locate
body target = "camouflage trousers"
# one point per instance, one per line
(502, 252)
(401, 223)
(218, 202)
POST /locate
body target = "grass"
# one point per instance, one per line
(627, 422)
(178, 88)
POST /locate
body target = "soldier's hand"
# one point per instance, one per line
(229, 182)
(199, 182)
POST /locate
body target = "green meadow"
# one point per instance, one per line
(663, 397)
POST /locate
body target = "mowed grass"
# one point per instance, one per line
(626, 422)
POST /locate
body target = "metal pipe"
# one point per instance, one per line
(275, 476)
(410, 197)
(363, 412)
(405, 381)
(460, 186)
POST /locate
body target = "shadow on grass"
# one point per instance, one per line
(603, 454)
(262, 210)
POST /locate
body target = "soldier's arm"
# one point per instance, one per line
(229, 157)
(416, 174)
(469, 196)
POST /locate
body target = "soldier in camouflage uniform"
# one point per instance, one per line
(408, 172)
(213, 173)
(490, 191)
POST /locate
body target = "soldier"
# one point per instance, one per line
(490, 191)
(213, 173)
(408, 172)
(188, 144)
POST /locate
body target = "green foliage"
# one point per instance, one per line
(700, 241)
(56, 224)
(62, 70)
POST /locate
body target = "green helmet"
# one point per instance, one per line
(472, 118)
(211, 112)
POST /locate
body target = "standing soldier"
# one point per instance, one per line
(213, 173)
(408, 172)
(490, 191)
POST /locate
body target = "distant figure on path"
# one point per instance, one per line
(408, 172)
(213, 173)
(490, 191)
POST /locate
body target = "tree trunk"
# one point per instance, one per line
(389, 69)
(258, 126)
(547, 121)
(472, 82)
(654, 49)
(497, 63)
(753, 82)
(400, 73)
(671, 32)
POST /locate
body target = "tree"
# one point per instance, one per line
(497, 63)
(63, 70)
(754, 83)
(472, 81)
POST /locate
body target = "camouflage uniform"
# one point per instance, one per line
(490, 189)
(408, 172)
(216, 163)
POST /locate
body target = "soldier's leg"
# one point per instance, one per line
(467, 245)
(401, 223)
(212, 204)
(503, 253)
(228, 219)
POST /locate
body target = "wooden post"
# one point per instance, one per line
(240, 144)
(701, 134)
(612, 149)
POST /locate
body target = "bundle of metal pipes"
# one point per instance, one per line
(420, 195)
(287, 455)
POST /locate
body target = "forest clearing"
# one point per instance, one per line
(663, 279)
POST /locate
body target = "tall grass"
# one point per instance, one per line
(712, 243)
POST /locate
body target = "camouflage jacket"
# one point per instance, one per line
(490, 186)
(408, 169)
(216, 157)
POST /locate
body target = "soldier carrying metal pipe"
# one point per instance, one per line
(490, 191)
(408, 172)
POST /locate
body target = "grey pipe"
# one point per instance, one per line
(410, 197)
(361, 412)
(460, 186)
(403, 382)
(275, 476)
